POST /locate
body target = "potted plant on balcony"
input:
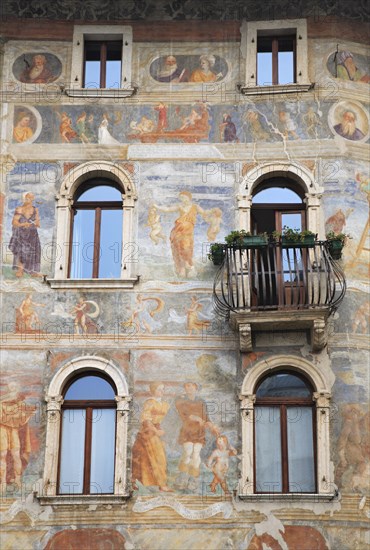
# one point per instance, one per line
(216, 253)
(295, 238)
(245, 239)
(336, 243)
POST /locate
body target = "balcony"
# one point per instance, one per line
(279, 287)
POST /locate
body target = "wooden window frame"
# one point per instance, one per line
(103, 58)
(97, 207)
(274, 40)
(283, 403)
(88, 405)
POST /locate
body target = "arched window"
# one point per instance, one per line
(285, 402)
(87, 445)
(277, 203)
(284, 435)
(86, 433)
(95, 240)
(96, 237)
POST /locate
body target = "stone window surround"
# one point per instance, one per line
(103, 32)
(321, 396)
(298, 173)
(249, 32)
(54, 399)
(75, 177)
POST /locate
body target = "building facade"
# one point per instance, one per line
(152, 399)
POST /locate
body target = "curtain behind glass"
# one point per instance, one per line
(102, 451)
(268, 450)
(300, 450)
(72, 452)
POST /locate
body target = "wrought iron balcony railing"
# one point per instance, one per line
(278, 277)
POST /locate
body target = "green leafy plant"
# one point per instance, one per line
(331, 236)
(336, 242)
(216, 253)
(294, 235)
(237, 237)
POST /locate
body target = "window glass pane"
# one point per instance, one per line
(300, 450)
(283, 385)
(285, 67)
(113, 74)
(264, 68)
(292, 220)
(72, 452)
(274, 195)
(92, 74)
(101, 193)
(268, 450)
(102, 451)
(90, 387)
(110, 244)
(83, 244)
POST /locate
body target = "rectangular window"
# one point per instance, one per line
(276, 60)
(102, 64)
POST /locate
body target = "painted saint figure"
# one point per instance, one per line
(25, 243)
(170, 72)
(347, 127)
(22, 131)
(218, 462)
(228, 129)
(149, 462)
(347, 70)
(38, 72)
(15, 443)
(204, 73)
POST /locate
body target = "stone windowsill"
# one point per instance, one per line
(88, 500)
(100, 92)
(289, 497)
(93, 283)
(277, 89)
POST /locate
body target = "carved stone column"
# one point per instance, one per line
(246, 483)
(53, 421)
(325, 482)
(120, 477)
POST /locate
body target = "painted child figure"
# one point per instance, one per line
(218, 462)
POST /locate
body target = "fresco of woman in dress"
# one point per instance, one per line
(142, 316)
(84, 315)
(22, 131)
(204, 72)
(25, 243)
(182, 234)
(149, 462)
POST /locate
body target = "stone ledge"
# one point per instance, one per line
(113, 93)
(278, 89)
(87, 500)
(92, 283)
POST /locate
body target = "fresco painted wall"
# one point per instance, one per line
(178, 357)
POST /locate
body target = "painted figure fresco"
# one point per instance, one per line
(104, 136)
(162, 116)
(26, 318)
(228, 130)
(154, 222)
(182, 234)
(344, 65)
(204, 72)
(142, 316)
(218, 462)
(361, 318)
(93, 539)
(337, 221)
(253, 120)
(287, 125)
(169, 71)
(194, 323)
(22, 130)
(25, 243)
(15, 442)
(347, 127)
(66, 131)
(84, 316)
(312, 122)
(37, 68)
(194, 423)
(354, 446)
(149, 462)
(348, 119)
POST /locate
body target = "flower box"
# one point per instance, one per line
(305, 241)
(335, 248)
